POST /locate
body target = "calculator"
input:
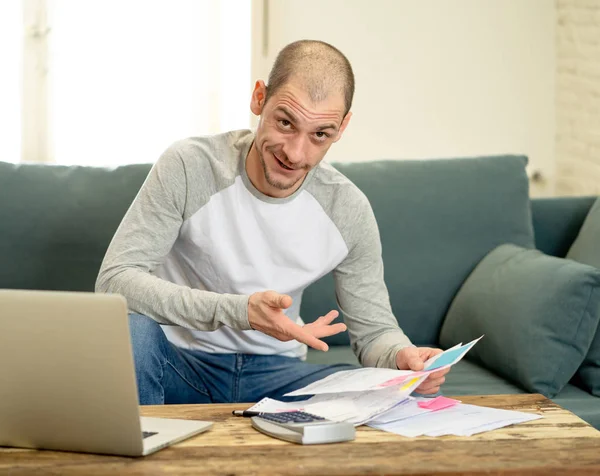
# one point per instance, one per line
(303, 428)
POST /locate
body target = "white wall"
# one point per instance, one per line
(433, 78)
(578, 97)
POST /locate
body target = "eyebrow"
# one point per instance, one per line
(295, 119)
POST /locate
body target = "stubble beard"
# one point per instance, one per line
(269, 178)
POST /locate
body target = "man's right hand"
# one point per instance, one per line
(265, 314)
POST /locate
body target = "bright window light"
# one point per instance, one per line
(128, 78)
(11, 35)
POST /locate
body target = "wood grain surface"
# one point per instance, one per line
(559, 443)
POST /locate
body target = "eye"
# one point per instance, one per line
(322, 136)
(284, 123)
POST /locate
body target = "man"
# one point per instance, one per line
(227, 232)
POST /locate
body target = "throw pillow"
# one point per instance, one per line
(539, 315)
(586, 249)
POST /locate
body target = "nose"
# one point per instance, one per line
(295, 149)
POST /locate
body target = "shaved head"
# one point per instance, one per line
(317, 66)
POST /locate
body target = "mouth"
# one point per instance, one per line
(281, 164)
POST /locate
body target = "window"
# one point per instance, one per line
(11, 31)
(125, 79)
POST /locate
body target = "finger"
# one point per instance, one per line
(413, 359)
(327, 318)
(297, 332)
(281, 301)
(324, 331)
(439, 373)
(429, 383)
(430, 351)
(437, 381)
(427, 390)
(427, 353)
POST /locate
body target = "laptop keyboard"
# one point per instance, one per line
(146, 434)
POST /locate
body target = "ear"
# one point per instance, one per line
(343, 126)
(257, 102)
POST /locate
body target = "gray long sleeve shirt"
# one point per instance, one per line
(199, 239)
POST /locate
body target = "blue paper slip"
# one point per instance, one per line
(451, 356)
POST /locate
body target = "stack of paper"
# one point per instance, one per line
(353, 407)
(381, 398)
(460, 420)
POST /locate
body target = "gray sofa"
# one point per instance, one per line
(437, 220)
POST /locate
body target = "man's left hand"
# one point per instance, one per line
(413, 358)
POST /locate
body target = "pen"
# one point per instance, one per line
(245, 413)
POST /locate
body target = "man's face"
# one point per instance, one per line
(293, 135)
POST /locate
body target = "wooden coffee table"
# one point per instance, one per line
(559, 443)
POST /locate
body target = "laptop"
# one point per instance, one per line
(67, 378)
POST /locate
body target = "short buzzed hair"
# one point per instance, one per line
(318, 65)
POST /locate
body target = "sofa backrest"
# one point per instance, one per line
(57, 221)
(557, 221)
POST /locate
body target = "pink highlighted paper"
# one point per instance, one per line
(401, 379)
(438, 403)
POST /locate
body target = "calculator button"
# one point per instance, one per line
(315, 417)
(291, 417)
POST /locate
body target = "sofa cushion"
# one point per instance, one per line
(57, 222)
(339, 354)
(586, 249)
(437, 219)
(469, 378)
(581, 403)
(588, 375)
(538, 314)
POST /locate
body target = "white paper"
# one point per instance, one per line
(369, 378)
(352, 407)
(367, 405)
(357, 380)
(269, 405)
(461, 419)
(331, 408)
(392, 409)
(405, 409)
(342, 410)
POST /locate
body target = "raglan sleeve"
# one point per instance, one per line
(361, 291)
(143, 239)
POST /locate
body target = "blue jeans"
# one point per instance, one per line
(167, 374)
